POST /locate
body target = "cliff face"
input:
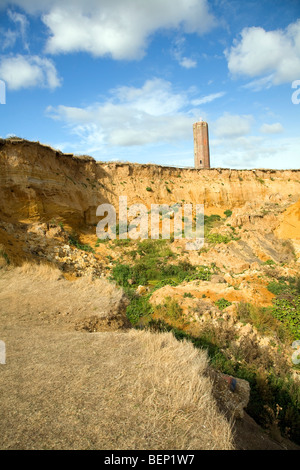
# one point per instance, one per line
(40, 183)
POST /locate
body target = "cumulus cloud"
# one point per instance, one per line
(232, 125)
(120, 29)
(275, 54)
(275, 128)
(153, 113)
(28, 71)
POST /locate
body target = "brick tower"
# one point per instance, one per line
(201, 145)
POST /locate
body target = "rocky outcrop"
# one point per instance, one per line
(232, 394)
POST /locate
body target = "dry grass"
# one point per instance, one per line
(43, 271)
(41, 292)
(65, 389)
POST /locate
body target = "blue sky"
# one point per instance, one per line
(126, 79)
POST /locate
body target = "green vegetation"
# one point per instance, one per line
(260, 180)
(217, 238)
(4, 255)
(222, 303)
(213, 221)
(100, 241)
(263, 320)
(152, 269)
(147, 272)
(73, 240)
(188, 295)
(288, 312)
(286, 305)
(228, 213)
(169, 309)
(149, 189)
(269, 262)
(139, 308)
(209, 220)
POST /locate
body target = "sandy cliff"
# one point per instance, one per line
(40, 183)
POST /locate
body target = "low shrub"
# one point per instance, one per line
(222, 303)
(73, 240)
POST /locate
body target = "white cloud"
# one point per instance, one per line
(260, 84)
(208, 98)
(8, 38)
(178, 54)
(28, 71)
(231, 125)
(275, 54)
(155, 97)
(131, 117)
(255, 152)
(275, 128)
(21, 21)
(118, 28)
(188, 63)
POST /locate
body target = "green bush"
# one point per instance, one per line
(216, 238)
(121, 273)
(228, 213)
(277, 287)
(222, 303)
(73, 240)
(169, 309)
(211, 219)
(139, 308)
(262, 318)
(269, 262)
(286, 305)
(188, 295)
(288, 313)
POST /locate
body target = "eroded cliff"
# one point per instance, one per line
(40, 183)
